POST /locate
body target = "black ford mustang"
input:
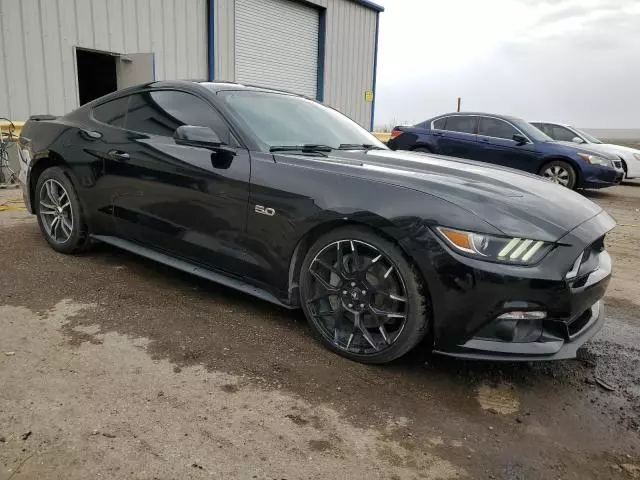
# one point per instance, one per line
(288, 200)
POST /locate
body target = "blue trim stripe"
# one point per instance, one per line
(375, 70)
(322, 35)
(211, 52)
(368, 4)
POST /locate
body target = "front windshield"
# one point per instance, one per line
(586, 136)
(531, 131)
(279, 120)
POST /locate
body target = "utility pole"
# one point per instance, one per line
(459, 103)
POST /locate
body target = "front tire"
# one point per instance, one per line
(59, 213)
(560, 172)
(362, 298)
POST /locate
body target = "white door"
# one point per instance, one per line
(134, 68)
(277, 45)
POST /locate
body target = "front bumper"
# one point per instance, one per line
(553, 345)
(602, 177)
(469, 298)
(633, 166)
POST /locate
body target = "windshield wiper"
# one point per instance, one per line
(307, 147)
(358, 146)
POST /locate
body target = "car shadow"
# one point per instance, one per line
(229, 330)
(598, 194)
(631, 183)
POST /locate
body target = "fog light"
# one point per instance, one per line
(518, 326)
(523, 315)
(521, 326)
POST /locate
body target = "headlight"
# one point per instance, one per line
(520, 251)
(595, 159)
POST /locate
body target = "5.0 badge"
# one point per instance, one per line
(265, 210)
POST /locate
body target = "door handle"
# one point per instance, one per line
(118, 155)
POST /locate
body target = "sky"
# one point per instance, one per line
(570, 61)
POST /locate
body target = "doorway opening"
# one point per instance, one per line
(96, 74)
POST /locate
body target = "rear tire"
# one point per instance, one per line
(362, 298)
(59, 213)
(560, 172)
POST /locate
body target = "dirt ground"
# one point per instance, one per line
(114, 367)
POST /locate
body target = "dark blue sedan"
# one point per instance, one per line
(509, 142)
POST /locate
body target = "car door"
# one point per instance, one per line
(498, 146)
(177, 198)
(457, 137)
(101, 136)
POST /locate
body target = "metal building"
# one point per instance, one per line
(58, 54)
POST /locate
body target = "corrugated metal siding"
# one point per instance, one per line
(269, 52)
(349, 53)
(350, 45)
(37, 36)
(224, 40)
(37, 64)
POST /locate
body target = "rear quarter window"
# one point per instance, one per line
(112, 113)
(439, 124)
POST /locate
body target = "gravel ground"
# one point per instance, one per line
(112, 366)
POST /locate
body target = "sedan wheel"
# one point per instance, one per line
(358, 298)
(561, 173)
(55, 211)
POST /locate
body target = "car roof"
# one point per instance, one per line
(211, 86)
(223, 86)
(553, 123)
(479, 114)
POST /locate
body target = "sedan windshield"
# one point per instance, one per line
(285, 122)
(586, 136)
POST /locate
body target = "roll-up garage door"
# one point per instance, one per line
(277, 45)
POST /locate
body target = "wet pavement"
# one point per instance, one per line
(421, 417)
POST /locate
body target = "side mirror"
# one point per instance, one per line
(197, 137)
(577, 140)
(520, 139)
(204, 137)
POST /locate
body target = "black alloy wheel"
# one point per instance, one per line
(361, 296)
(59, 213)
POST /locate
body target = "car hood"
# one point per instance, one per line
(573, 148)
(613, 149)
(514, 202)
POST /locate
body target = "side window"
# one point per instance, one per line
(461, 124)
(439, 123)
(493, 127)
(161, 112)
(113, 112)
(561, 133)
(543, 127)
